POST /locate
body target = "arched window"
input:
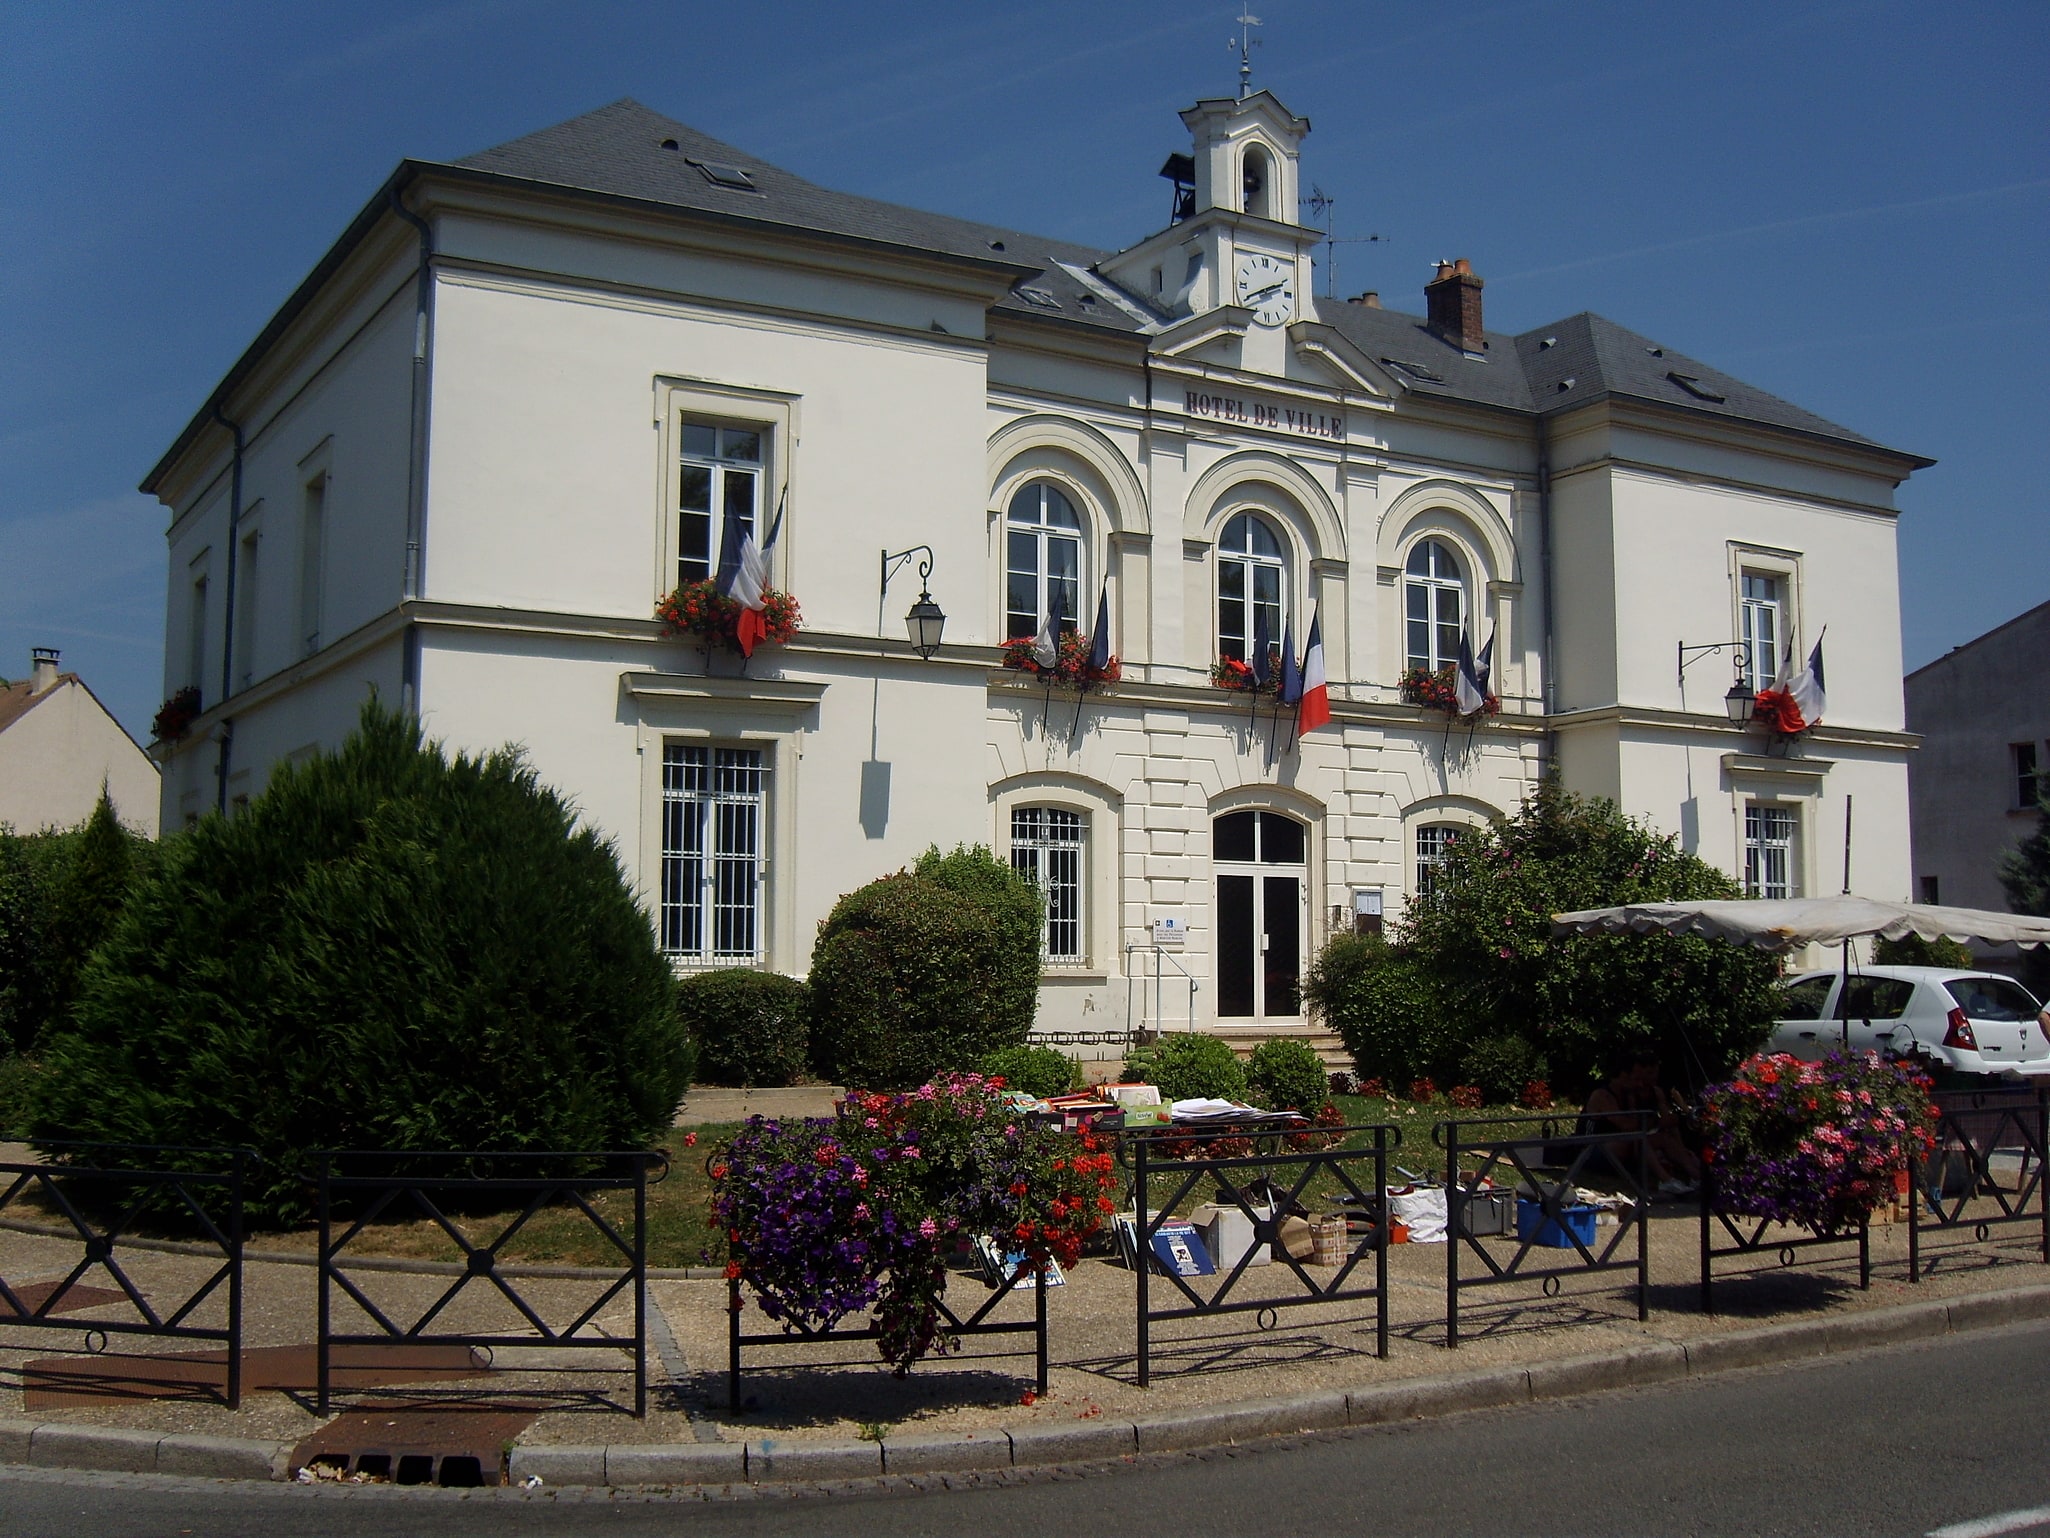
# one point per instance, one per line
(1434, 840)
(1434, 606)
(1043, 561)
(1251, 579)
(1258, 173)
(1047, 848)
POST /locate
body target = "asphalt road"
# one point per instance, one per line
(1947, 1437)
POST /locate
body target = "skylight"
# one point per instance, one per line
(1694, 387)
(1416, 370)
(1039, 298)
(720, 174)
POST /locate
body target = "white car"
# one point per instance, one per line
(1968, 1022)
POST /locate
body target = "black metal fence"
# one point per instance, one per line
(1234, 1177)
(97, 1201)
(368, 1188)
(1540, 1169)
(974, 1323)
(1742, 1236)
(1973, 1128)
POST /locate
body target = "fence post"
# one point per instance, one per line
(1039, 1321)
(235, 1284)
(1641, 1212)
(321, 1346)
(1143, 1258)
(2043, 1165)
(1707, 1240)
(1455, 1219)
(733, 1345)
(1915, 1210)
(1381, 1243)
(640, 1259)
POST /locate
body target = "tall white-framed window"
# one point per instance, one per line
(1433, 607)
(1252, 583)
(1043, 560)
(1434, 840)
(1761, 618)
(1771, 850)
(195, 634)
(718, 493)
(1047, 844)
(712, 852)
(312, 540)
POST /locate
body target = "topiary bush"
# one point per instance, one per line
(1384, 1005)
(1502, 1067)
(1040, 1071)
(387, 949)
(1018, 913)
(1190, 1066)
(751, 1029)
(1287, 1075)
(909, 982)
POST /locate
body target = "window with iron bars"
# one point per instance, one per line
(1433, 842)
(712, 853)
(1769, 841)
(1046, 849)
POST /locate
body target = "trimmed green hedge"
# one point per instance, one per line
(1040, 1071)
(386, 949)
(1191, 1066)
(1287, 1075)
(750, 1028)
(909, 980)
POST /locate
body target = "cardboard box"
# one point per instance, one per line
(1229, 1233)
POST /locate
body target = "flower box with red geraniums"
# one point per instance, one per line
(1236, 676)
(175, 716)
(824, 1219)
(1070, 670)
(1440, 691)
(700, 609)
(1815, 1144)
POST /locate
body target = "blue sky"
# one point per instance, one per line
(1847, 204)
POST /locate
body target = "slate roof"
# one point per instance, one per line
(620, 151)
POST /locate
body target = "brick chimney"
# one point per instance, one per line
(1452, 306)
(42, 669)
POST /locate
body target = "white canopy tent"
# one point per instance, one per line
(1790, 923)
(1787, 924)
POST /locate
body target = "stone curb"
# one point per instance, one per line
(767, 1460)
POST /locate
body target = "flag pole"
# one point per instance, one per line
(1076, 725)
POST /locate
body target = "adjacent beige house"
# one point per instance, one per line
(58, 746)
(529, 392)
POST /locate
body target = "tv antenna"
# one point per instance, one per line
(1320, 203)
(1243, 45)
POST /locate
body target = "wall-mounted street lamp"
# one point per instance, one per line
(1739, 701)
(925, 622)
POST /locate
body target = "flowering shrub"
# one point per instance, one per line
(1070, 670)
(1421, 1090)
(1231, 673)
(1372, 1089)
(176, 715)
(700, 609)
(1330, 1124)
(1536, 1096)
(824, 1219)
(1467, 1097)
(1438, 691)
(1815, 1143)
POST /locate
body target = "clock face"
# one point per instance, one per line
(1266, 286)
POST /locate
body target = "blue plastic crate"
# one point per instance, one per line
(1531, 1223)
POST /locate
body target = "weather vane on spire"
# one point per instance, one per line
(1245, 43)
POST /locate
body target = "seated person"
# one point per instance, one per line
(1634, 1087)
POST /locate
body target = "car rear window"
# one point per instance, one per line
(1804, 1000)
(1992, 998)
(1878, 998)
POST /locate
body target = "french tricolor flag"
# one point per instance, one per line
(1315, 709)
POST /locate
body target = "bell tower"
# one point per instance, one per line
(1235, 239)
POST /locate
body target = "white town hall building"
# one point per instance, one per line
(526, 394)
